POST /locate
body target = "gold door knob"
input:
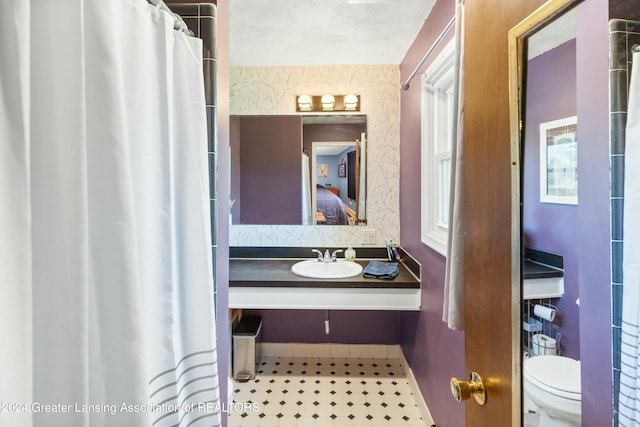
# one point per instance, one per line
(462, 390)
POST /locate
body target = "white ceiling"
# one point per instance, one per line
(557, 32)
(323, 32)
(332, 150)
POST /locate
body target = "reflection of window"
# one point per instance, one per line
(437, 126)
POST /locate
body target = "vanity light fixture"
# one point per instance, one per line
(351, 102)
(327, 103)
(304, 103)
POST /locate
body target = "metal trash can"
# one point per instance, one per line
(245, 354)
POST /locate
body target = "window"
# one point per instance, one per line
(438, 117)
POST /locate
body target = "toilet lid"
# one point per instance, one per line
(556, 372)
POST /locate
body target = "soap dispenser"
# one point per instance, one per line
(350, 254)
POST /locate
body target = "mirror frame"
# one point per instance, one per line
(517, 59)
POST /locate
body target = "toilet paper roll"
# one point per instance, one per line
(546, 313)
(543, 344)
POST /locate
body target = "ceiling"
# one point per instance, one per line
(333, 149)
(323, 32)
(559, 31)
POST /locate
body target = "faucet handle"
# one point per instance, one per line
(334, 255)
(319, 254)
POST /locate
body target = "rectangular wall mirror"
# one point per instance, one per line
(298, 169)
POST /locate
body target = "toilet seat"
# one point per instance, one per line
(557, 375)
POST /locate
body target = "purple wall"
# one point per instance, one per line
(592, 58)
(270, 170)
(319, 132)
(347, 327)
(551, 95)
(433, 351)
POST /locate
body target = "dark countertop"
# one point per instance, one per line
(535, 270)
(260, 272)
(541, 265)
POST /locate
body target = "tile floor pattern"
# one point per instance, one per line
(340, 392)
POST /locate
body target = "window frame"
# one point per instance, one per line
(438, 79)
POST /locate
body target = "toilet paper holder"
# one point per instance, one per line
(542, 336)
(544, 344)
(545, 311)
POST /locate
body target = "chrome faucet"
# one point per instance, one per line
(327, 257)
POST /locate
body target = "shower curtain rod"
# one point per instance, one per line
(405, 85)
(178, 22)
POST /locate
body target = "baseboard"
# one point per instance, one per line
(415, 389)
(268, 349)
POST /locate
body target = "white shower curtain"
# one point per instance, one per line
(629, 396)
(453, 303)
(106, 312)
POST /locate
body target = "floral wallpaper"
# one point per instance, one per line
(272, 90)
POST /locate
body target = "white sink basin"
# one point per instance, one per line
(313, 269)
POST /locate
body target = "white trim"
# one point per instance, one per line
(550, 287)
(415, 389)
(302, 298)
(329, 350)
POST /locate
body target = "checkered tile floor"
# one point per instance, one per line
(338, 392)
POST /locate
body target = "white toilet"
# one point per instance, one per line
(552, 383)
